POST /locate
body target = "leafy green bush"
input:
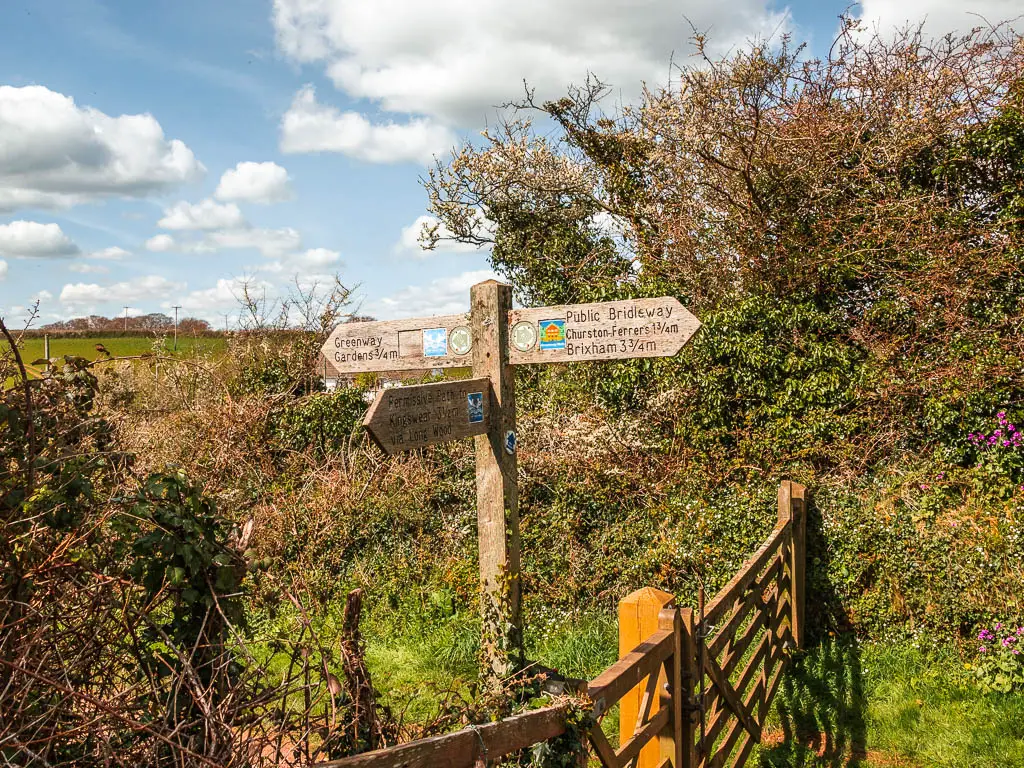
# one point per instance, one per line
(325, 422)
(857, 271)
(999, 665)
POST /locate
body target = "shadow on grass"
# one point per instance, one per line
(819, 711)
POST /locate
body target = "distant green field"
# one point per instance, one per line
(32, 349)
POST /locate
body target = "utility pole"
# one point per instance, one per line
(126, 318)
(176, 308)
(225, 321)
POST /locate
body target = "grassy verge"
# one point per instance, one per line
(849, 704)
(842, 703)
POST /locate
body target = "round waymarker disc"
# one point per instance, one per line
(460, 340)
(524, 336)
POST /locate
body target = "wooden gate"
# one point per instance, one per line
(700, 684)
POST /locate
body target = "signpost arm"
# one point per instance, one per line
(497, 494)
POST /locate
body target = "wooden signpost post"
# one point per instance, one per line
(493, 338)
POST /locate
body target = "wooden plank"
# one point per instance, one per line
(729, 695)
(639, 614)
(402, 418)
(690, 674)
(739, 647)
(722, 752)
(782, 616)
(400, 345)
(462, 748)
(743, 753)
(765, 648)
(612, 330)
(773, 687)
(610, 686)
(798, 497)
(670, 739)
(497, 495)
(644, 713)
(717, 712)
(750, 600)
(718, 718)
(729, 743)
(751, 569)
(604, 750)
(631, 749)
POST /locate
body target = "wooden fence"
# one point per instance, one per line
(693, 694)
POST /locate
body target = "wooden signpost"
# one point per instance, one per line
(402, 418)
(491, 339)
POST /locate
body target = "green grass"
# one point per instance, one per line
(842, 704)
(845, 704)
(32, 349)
(117, 346)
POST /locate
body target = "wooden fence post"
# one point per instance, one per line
(793, 509)
(690, 674)
(670, 739)
(497, 497)
(638, 620)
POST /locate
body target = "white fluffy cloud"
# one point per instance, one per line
(315, 258)
(302, 263)
(939, 16)
(443, 296)
(137, 291)
(160, 243)
(409, 240)
(309, 126)
(255, 183)
(455, 61)
(206, 214)
(271, 243)
(113, 253)
(54, 153)
(3, 269)
(30, 239)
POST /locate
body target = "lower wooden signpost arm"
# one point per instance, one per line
(497, 493)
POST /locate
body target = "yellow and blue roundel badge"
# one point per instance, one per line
(552, 334)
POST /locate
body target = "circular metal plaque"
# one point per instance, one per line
(460, 340)
(524, 336)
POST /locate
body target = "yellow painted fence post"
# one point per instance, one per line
(638, 620)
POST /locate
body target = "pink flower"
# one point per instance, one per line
(981, 649)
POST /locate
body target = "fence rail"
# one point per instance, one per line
(693, 693)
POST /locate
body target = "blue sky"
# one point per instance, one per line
(153, 153)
